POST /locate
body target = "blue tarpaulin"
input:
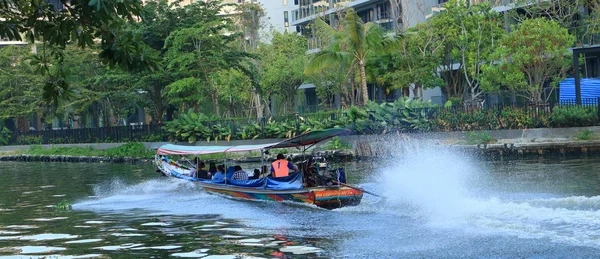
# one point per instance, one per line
(590, 90)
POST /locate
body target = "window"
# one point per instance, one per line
(285, 17)
(285, 2)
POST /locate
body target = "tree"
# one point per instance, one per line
(284, 61)
(19, 85)
(416, 60)
(80, 22)
(196, 55)
(530, 57)
(353, 43)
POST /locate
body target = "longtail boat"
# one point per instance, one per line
(314, 183)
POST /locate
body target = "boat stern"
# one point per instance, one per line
(333, 198)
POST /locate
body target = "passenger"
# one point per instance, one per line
(212, 169)
(194, 168)
(202, 173)
(218, 175)
(239, 173)
(281, 166)
(255, 175)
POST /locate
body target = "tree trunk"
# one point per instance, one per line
(216, 102)
(363, 82)
(259, 104)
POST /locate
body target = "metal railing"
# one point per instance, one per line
(462, 117)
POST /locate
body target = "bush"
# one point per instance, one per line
(5, 136)
(467, 120)
(574, 116)
(585, 135)
(479, 138)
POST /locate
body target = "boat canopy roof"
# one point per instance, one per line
(309, 138)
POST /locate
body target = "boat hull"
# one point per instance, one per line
(324, 197)
(329, 197)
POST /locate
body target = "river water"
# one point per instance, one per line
(438, 204)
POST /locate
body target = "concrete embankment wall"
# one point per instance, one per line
(510, 143)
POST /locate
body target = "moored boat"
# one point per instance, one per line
(312, 184)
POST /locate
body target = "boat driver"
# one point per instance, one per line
(281, 167)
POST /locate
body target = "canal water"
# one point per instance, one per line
(438, 204)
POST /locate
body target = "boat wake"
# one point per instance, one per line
(442, 189)
(171, 196)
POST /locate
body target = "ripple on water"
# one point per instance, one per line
(118, 247)
(83, 241)
(98, 222)
(193, 254)
(48, 219)
(300, 249)
(43, 237)
(50, 256)
(159, 224)
(167, 247)
(21, 226)
(10, 237)
(234, 256)
(127, 234)
(38, 249)
(3, 232)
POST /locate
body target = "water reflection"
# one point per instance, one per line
(437, 205)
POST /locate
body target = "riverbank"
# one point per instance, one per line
(504, 144)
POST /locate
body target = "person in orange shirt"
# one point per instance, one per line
(281, 167)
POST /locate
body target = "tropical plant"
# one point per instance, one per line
(336, 143)
(574, 116)
(352, 43)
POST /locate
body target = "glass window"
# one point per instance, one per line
(285, 17)
(285, 2)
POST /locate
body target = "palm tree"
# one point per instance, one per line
(351, 43)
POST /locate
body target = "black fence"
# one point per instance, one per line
(457, 118)
(137, 133)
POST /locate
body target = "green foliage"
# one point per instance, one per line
(351, 43)
(63, 205)
(336, 143)
(530, 56)
(132, 149)
(5, 136)
(467, 120)
(283, 66)
(479, 138)
(515, 118)
(574, 116)
(404, 114)
(585, 134)
(80, 23)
